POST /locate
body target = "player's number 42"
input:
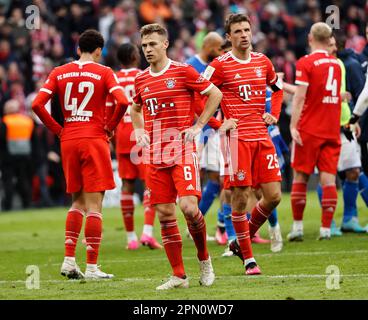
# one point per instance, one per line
(73, 106)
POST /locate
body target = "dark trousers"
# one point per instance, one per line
(16, 176)
(364, 155)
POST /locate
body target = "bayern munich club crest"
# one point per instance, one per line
(258, 72)
(170, 83)
(240, 175)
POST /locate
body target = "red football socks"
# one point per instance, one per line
(197, 229)
(73, 225)
(258, 217)
(241, 227)
(149, 211)
(173, 245)
(298, 199)
(127, 209)
(93, 231)
(329, 202)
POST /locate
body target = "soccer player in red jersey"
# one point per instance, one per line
(315, 128)
(82, 87)
(128, 55)
(242, 76)
(162, 115)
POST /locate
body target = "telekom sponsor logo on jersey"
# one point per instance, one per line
(153, 106)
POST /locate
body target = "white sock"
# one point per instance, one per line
(298, 225)
(148, 230)
(132, 236)
(325, 231)
(247, 261)
(91, 267)
(70, 260)
(275, 227)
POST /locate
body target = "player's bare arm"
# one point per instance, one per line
(297, 105)
(136, 114)
(214, 99)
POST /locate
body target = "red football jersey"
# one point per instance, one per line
(166, 98)
(243, 84)
(82, 89)
(321, 112)
(125, 140)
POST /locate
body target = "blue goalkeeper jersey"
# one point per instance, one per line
(200, 66)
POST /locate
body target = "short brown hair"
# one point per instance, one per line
(152, 28)
(235, 18)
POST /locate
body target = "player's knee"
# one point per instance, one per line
(352, 174)
(189, 208)
(239, 200)
(80, 205)
(164, 213)
(127, 185)
(273, 199)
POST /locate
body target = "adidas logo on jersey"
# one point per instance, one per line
(190, 187)
(146, 89)
(237, 76)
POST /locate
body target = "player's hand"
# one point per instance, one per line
(269, 118)
(356, 129)
(229, 124)
(142, 138)
(280, 75)
(296, 136)
(190, 133)
(347, 132)
(109, 133)
(346, 96)
(53, 156)
(60, 133)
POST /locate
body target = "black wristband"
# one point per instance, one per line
(354, 119)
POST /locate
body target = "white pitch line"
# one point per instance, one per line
(277, 255)
(281, 276)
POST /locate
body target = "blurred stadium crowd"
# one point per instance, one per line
(33, 169)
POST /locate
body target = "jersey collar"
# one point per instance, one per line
(240, 60)
(320, 51)
(128, 70)
(82, 63)
(156, 74)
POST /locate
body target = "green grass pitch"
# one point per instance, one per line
(299, 272)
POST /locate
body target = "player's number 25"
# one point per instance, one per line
(273, 162)
(73, 106)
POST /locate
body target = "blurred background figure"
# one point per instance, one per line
(16, 136)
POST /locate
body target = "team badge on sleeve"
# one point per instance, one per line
(207, 74)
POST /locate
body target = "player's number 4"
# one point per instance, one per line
(331, 84)
(73, 106)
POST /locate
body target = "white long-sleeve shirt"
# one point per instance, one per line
(362, 102)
